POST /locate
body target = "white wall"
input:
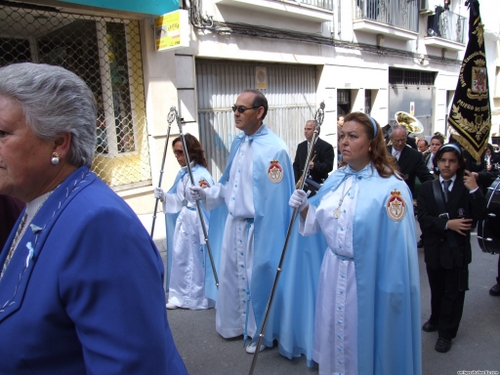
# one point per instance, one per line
(338, 68)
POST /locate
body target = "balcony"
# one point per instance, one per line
(395, 18)
(446, 29)
(311, 10)
(324, 4)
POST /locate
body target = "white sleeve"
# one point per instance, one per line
(171, 204)
(309, 225)
(215, 196)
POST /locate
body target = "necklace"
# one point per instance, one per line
(21, 229)
(337, 211)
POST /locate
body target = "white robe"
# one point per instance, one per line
(187, 271)
(335, 326)
(234, 298)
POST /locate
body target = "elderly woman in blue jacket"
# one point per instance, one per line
(81, 280)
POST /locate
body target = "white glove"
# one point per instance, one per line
(196, 193)
(159, 194)
(298, 200)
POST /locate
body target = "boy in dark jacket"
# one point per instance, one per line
(447, 246)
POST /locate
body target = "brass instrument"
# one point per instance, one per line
(411, 123)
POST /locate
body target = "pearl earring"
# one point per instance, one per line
(55, 158)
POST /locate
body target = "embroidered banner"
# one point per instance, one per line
(470, 115)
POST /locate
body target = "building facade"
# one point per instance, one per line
(375, 56)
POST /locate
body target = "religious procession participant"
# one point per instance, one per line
(448, 209)
(186, 249)
(81, 282)
(367, 317)
(254, 189)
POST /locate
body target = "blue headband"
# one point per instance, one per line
(375, 128)
(451, 145)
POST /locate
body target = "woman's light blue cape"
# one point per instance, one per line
(387, 276)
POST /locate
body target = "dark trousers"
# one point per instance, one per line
(498, 274)
(447, 302)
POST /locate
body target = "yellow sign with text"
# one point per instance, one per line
(172, 30)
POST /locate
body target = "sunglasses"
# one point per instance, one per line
(241, 109)
(178, 153)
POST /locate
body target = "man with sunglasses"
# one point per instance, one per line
(254, 189)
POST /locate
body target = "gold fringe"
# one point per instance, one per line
(462, 141)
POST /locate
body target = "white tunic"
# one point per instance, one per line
(335, 326)
(235, 274)
(187, 275)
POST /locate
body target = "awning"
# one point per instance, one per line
(152, 7)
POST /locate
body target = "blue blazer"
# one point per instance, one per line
(83, 292)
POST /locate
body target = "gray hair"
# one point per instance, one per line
(55, 101)
(315, 124)
(399, 127)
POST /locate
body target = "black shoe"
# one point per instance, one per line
(420, 244)
(443, 345)
(429, 327)
(495, 290)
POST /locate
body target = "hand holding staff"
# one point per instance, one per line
(198, 208)
(170, 119)
(318, 119)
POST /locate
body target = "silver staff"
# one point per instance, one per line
(198, 207)
(318, 120)
(170, 120)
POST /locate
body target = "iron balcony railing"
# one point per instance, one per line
(446, 25)
(324, 4)
(398, 13)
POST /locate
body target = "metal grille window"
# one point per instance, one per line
(343, 102)
(411, 77)
(290, 92)
(106, 54)
(368, 101)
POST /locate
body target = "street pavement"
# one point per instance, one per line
(476, 347)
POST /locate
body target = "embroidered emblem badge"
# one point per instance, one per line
(203, 183)
(479, 89)
(396, 206)
(275, 172)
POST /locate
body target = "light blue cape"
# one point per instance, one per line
(387, 276)
(272, 215)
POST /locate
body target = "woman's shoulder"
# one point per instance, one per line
(387, 185)
(391, 180)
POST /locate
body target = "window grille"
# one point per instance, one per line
(343, 102)
(106, 54)
(343, 96)
(411, 77)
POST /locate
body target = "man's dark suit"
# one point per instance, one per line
(442, 268)
(412, 143)
(411, 164)
(323, 162)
